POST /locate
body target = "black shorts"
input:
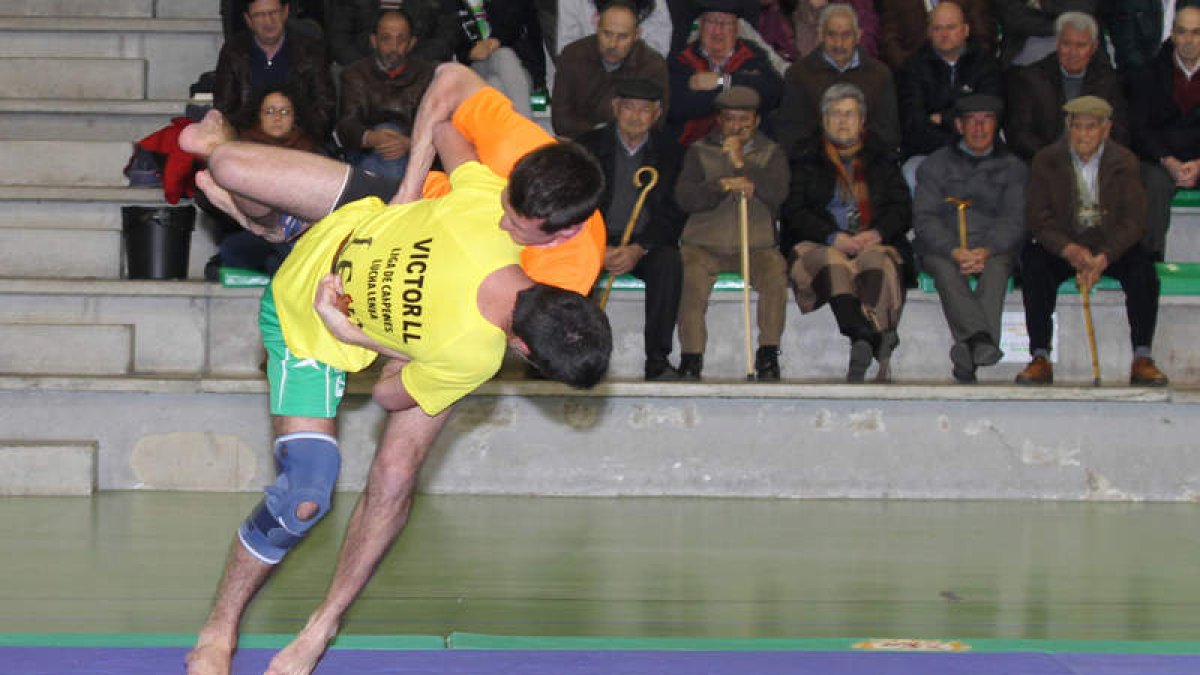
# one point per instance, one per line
(361, 183)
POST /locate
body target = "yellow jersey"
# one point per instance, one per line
(412, 273)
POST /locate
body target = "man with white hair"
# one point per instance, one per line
(1037, 92)
(838, 60)
(1086, 211)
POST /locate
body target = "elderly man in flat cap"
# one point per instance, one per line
(624, 146)
(734, 161)
(1086, 210)
(979, 182)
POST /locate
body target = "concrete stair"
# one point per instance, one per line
(81, 81)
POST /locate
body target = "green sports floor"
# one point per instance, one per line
(1088, 576)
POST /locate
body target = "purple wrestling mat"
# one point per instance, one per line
(160, 660)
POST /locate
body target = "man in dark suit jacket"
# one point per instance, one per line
(1037, 92)
(269, 55)
(652, 254)
(1164, 119)
(1086, 210)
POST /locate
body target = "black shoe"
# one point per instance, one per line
(766, 364)
(661, 371)
(861, 353)
(690, 366)
(984, 351)
(964, 364)
(212, 268)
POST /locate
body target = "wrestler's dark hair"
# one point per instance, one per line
(561, 182)
(568, 335)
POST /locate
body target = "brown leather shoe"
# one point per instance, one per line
(1039, 371)
(1143, 373)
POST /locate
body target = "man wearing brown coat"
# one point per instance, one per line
(590, 68)
(269, 54)
(1086, 211)
(380, 95)
(733, 162)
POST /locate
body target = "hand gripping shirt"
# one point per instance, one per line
(412, 272)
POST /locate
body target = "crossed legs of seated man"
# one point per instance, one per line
(768, 278)
(972, 314)
(1041, 274)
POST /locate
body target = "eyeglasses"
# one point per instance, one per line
(277, 112)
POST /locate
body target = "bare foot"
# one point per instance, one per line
(203, 137)
(209, 659)
(302, 655)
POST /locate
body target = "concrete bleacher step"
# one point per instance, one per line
(632, 438)
(47, 468)
(73, 77)
(66, 349)
(78, 8)
(172, 53)
(93, 120)
(172, 327)
(198, 329)
(166, 9)
(65, 163)
(75, 233)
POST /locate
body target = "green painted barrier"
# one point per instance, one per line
(726, 281)
(1186, 199)
(236, 277)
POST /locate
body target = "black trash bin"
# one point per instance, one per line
(157, 240)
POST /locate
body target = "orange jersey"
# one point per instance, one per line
(501, 137)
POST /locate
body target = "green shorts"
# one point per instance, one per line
(299, 387)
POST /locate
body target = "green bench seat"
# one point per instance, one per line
(1186, 199)
(726, 281)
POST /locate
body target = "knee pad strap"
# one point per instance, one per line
(308, 468)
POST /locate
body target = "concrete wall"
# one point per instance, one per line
(801, 442)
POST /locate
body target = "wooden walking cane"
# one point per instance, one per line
(744, 226)
(633, 217)
(1086, 292)
(962, 205)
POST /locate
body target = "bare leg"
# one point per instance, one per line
(262, 179)
(379, 516)
(259, 179)
(244, 575)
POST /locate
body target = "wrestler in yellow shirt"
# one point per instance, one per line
(412, 273)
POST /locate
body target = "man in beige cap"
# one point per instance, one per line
(1086, 213)
(732, 162)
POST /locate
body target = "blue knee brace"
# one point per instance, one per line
(308, 470)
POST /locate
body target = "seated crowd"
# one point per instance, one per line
(847, 145)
